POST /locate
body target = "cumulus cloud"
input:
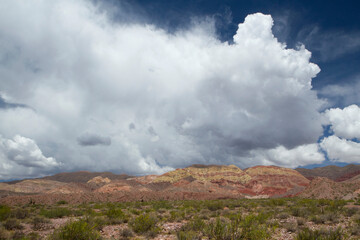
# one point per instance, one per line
(281, 156)
(89, 139)
(21, 157)
(165, 100)
(345, 122)
(341, 150)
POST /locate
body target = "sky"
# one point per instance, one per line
(144, 87)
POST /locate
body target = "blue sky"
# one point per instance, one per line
(143, 87)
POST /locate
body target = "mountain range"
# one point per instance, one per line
(193, 182)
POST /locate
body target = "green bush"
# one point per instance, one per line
(20, 213)
(252, 227)
(356, 219)
(116, 215)
(220, 229)
(162, 204)
(188, 235)
(134, 211)
(33, 236)
(12, 224)
(283, 215)
(18, 235)
(55, 212)
(5, 212)
(79, 230)
(214, 205)
(308, 234)
(290, 226)
(126, 233)
(300, 221)
(97, 222)
(277, 202)
(62, 202)
(318, 219)
(144, 223)
(39, 223)
(4, 234)
(195, 224)
(176, 216)
(350, 212)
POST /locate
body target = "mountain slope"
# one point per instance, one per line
(84, 176)
(193, 182)
(205, 173)
(334, 173)
(275, 181)
(321, 187)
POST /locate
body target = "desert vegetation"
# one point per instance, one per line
(282, 218)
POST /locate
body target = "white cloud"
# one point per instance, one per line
(345, 122)
(205, 100)
(341, 150)
(21, 157)
(281, 156)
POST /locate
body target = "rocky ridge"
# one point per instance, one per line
(193, 182)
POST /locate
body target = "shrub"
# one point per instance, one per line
(214, 205)
(290, 226)
(4, 235)
(162, 204)
(195, 224)
(18, 235)
(79, 230)
(126, 233)
(308, 234)
(283, 215)
(277, 202)
(55, 212)
(188, 235)
(331, 217)
(355, 230)
(62, 202)
(97, 222)
(12, 224)
(298, 212)
(218, 230)
(33, 236)
(161, 210)
(350, 212)
(356, 219)
(144, 223)
(5, 212)
(20, 213)
(176, 216)
(300, 221)
(116, 215)
(39, 223)
(135, 211)
(318, 219)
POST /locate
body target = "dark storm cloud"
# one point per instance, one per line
(89, 139)
(131, 126)
(5, 105)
